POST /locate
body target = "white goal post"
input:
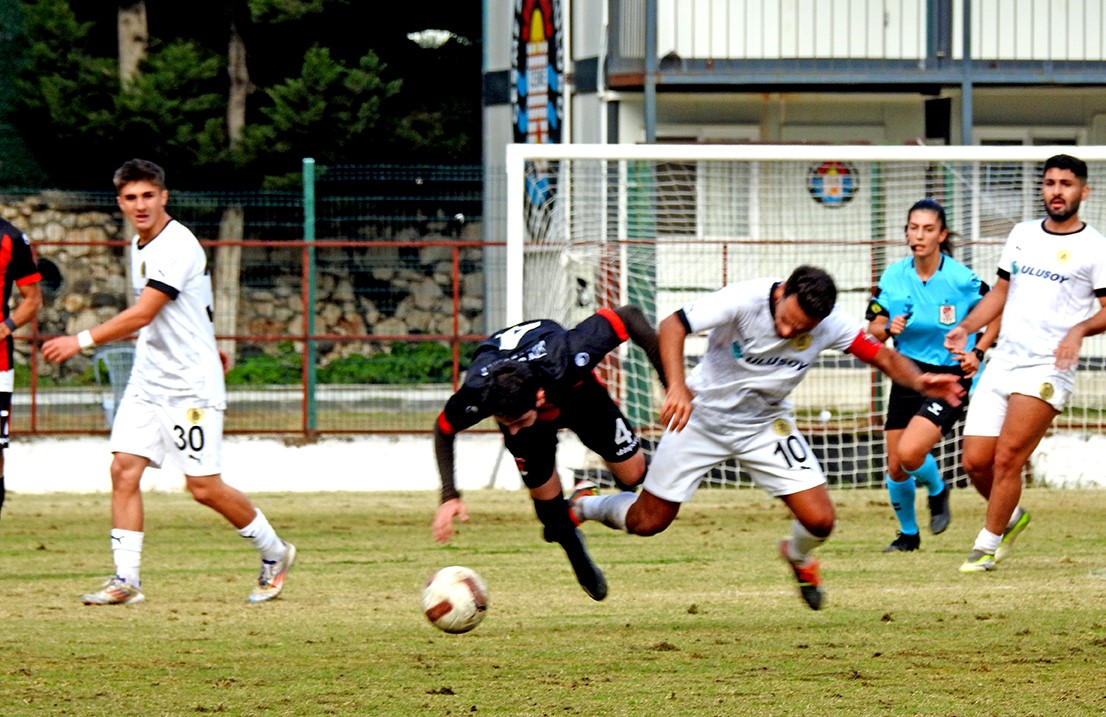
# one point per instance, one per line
(657, 225)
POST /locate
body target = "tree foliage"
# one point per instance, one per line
(326, 84)
(326, 112)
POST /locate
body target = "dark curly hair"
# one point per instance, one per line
(814, 289)
(511, 389)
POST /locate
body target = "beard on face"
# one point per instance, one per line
(1062, 215)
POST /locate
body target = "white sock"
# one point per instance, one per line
(126, 550)
(610, 510)
(802, 542)
(264, 538)
(987, 541)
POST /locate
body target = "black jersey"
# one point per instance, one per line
(17, 264)
(561, 359)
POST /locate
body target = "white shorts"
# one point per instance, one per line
(987, 410)
(774, 454)
(190, 438)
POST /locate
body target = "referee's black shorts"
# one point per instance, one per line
(904, 403)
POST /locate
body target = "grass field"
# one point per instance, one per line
(701, 620)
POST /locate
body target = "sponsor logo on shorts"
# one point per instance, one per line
(195, 415)
(1047, 390)
(782, 427)
(582, 359)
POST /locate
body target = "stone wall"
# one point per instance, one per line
(382, 291)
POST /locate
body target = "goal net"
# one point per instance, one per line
(659, 225)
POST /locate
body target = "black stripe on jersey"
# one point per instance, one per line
(164, 288)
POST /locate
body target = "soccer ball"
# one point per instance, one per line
(455, 599)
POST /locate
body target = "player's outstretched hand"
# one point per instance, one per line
(943, 386)
(60, 348)
(955, 340)
(443, 519)
(1067, 351)
(676, 409)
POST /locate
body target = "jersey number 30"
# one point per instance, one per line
(191, 438)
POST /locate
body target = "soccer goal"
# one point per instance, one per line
(658, 225)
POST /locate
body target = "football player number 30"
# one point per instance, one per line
(792, 451)
(191, 438)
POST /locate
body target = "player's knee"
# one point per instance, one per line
(205, 491)
(897, 473)
(642, 521)
(976, 466)
(820, 523)
(646, 527)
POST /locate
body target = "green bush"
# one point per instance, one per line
(405, 363)
(263, 370)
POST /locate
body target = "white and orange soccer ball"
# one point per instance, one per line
(455, 599)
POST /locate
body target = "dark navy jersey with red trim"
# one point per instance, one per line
(560, 357)
(17, 263)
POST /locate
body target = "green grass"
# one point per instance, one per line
(703, 619)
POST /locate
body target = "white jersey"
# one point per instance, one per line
(748, 371)
(1053, 280)
(176, 358)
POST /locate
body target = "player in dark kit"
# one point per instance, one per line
(534, 379)
(18, 268)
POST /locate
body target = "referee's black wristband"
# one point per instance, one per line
(979, 354)
(10, 324)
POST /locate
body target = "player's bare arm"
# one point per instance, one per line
(1067, 352)
(676, 409)
(901, 370)
(29, 305)
(451, 507)
(986, 312)
(150, 302)
(970, 361)
(644, 335)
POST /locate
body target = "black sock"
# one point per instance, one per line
(553, 514)
(2, 491)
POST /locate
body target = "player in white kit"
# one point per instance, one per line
(172, 410)
(1051, 275)
(765, 335)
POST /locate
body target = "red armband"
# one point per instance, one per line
(443, 425)
(616, 322)
(864, 347)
